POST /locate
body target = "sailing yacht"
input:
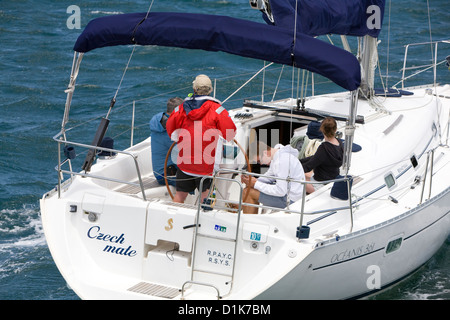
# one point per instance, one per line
(116, 234)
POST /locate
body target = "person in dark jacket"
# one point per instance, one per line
(325, 163)
(160, 143)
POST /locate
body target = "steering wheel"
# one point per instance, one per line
(249, 168)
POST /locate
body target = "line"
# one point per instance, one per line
(426, 226)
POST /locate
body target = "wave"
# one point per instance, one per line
(21, 228)
(106, 12)
(22, 241)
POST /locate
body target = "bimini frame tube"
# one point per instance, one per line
(77, 57)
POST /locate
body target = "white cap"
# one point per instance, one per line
(201, 81)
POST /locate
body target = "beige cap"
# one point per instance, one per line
(201, 81)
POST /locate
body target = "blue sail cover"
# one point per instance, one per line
(221, 33)
(320, 17)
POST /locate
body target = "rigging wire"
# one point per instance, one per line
(288, 183)
(165, 93)
(429, 29)
(434, 63)
(113, 100)
(278, 82)
(237, 90)
(149, 8)
(388, 44)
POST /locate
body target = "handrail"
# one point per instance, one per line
(240, 204)
(434, 64)
(197, 225)
(60, 163)
(304, 183)
(430, 154)
(201, 284)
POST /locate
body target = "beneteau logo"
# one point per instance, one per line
(115, 242)
(169, 225)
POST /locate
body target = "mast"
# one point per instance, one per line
(368, 63)
(350, 131)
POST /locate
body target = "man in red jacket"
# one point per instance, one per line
(196, 125)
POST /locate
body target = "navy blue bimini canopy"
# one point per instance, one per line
(320, 17)
(221, 33)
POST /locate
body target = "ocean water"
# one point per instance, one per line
(35, 61)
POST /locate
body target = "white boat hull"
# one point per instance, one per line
(351, 266)
(358, 265)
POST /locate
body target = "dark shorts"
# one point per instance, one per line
(171, 174)
(273, 201)
(188, 183)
